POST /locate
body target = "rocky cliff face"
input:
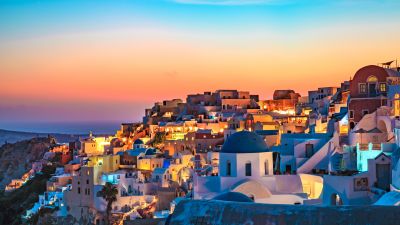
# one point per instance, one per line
(16, 159)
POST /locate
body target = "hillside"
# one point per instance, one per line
(15, 136)
(16, 159)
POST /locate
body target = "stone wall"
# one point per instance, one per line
(220, 212)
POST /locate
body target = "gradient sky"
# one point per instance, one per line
(67, 60)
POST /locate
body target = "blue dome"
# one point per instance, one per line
(244, 142)
(233, 197)
(138, 142)
(150, 151)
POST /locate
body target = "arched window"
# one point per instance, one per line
(228, 168)
(396, 104)
(372, 79)
(248, 169)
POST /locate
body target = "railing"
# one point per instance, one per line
(376, 146)
(363, 146)
(370, 146)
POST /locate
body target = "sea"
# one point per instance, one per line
(97, 127)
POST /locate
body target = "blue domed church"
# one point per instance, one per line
(246, 166)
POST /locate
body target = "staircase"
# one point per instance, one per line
(319, 156)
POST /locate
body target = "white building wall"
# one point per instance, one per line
(224, 157)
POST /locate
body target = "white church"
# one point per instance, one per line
(246, 166)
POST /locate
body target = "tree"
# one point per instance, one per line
(159, 138)
(109, 193)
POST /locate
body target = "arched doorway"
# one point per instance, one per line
(352, 125)
(336, 199)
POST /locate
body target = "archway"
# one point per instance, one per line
(352, 125)
(336, 199)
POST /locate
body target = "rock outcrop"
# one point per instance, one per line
(16, 159)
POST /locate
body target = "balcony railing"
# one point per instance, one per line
(370, 146)
(376, 146)
(363, 146)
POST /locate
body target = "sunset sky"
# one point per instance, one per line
(108, 60)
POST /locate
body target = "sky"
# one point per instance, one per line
(69, 60)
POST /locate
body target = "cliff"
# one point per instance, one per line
(16, 159)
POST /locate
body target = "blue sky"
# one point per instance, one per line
(24, 18)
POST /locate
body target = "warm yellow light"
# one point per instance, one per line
(285, 112)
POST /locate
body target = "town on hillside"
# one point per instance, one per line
(338, 146)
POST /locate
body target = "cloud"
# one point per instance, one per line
(227, 2)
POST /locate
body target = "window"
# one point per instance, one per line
(248, 169)
(266, 167)
(228, 168)
(362, 88)
(87, 181)
(309, 150)
(382, 87)
(397, 104)
(365, 112)
(79, 190)
(351, 114)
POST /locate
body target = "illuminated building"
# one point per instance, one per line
(284, 102)
(92, 146)
(319, 99)
(165, 111)
(368, 91)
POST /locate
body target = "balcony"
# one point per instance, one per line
(369, 146)
(376, 146)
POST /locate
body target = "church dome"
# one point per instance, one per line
(138, 142)
(244, 142)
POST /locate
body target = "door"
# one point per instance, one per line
(383, 176)
(288, 169)
(248, 169)
(372, 89)
(309, 150)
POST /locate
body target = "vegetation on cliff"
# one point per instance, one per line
(14, 204)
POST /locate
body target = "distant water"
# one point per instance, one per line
(100, 127)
